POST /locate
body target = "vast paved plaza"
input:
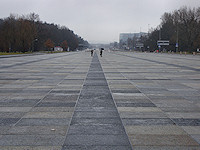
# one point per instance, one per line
(121, 101)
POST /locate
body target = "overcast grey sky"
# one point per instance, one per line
(98, 21)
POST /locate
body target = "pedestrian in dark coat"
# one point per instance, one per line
(101, 52)
(92, 51)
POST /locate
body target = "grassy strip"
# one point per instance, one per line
(17, 53)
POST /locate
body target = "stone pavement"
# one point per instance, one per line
(96, 123)
(118, 101)
(158, 98)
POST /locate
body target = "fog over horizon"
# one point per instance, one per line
(99, 21)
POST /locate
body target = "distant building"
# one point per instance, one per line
(130, 41)
(123, 37)
(58, 48)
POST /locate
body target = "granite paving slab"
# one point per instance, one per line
(118, 147)
(56, 104)
(37, 140)
(43, 122)
(39, 130)
(164, 113)
(100, 125)
(74, 101)
(163, 140)
(186, 122)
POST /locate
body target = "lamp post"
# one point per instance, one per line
(159, 37)
(159, 46)
(33, 44)
(177, 39)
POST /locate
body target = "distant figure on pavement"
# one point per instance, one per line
(92, 51)
(101, 52)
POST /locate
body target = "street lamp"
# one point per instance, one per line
(177, 39)
(159, 37)
(177, 43)
(160, 34)
(33, 44)
(159, 46)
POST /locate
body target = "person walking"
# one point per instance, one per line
(101, 52)
(92, 51)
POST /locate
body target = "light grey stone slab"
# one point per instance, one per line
(15, 109)
(43, 122)
(38, 130)
(139, 109)
(146, 121)
(155, 130)
(48, 115)
(162, 140)
(31, 140)
(53, 109)
(143, 115)
(30, 147)
(192, 129)
(196, 137)
(166, 147)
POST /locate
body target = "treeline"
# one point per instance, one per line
(27, 33)
(182, 29)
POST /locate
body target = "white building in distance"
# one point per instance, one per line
(123, 37)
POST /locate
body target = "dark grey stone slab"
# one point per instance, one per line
(73, 79)
(91, 140)
(18, 102)
(10, 78)
(96, 129)
(85, 147)
(95, 88)
(95, 114)
(8, 121)
(56, 104)
(126, 91)
(95, 74)
(96, 82)
(187, 122)
(43, 121)
(135, 105)
(65, 91)
(100, 103)
(95, 92)
(100, 109)
(10, 90)
(95, 121)
(96, 96)
(147, 121)
(95, 78)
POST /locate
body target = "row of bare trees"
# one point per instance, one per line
(181, 27)
(27, 33)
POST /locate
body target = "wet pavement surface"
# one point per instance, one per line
(121, 101)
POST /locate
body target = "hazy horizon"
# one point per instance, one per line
(99, 21)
